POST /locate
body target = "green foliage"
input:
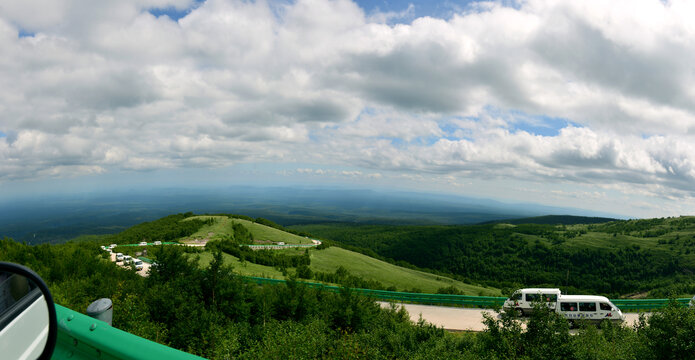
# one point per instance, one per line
(262, 257)
(612, 259)
(169, 228)
(669, 333)
(213, 313)
(242, 235)
(343, 277)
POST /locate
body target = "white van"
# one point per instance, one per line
(119, 257)
(588, 307)
(143, 243)
(522, 300)
(127, 259)
(138, 264)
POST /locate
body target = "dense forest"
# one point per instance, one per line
(615, 259)
(212, 312)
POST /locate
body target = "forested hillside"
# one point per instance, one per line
(210, 311)
(617, 258)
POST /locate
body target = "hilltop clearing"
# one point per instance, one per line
(221, 227)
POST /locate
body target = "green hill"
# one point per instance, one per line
(221, 228)
(618, 258)
(389, 275)
(277, 264)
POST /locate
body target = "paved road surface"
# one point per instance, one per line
(461, 319)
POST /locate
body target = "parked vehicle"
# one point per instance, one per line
(127, 259)
(522, 300)
(119, 257)
(158, 242)
(113, 246)
(138, 264)
(588, 307)
(143, 243)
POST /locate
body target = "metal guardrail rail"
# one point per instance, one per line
(464, 300)
(150, 244)
(82, 337)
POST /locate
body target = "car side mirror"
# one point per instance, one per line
(28, 326)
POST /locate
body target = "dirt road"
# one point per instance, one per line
(462, 319)
(143, 272)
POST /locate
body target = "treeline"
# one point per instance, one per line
(168, 228)
(213, 313)
(261, 257)
(264, 221)
(508, 257)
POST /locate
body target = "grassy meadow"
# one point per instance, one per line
(330, 259)
(222, 227)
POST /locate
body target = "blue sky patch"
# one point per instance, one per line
(25, 33)
(436, 9)
(536, 124)
(2, 134)
(173, 13)
(542, 125)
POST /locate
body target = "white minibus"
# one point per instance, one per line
(588, 307)
(522, 300)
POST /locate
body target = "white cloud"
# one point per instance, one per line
(106, 85)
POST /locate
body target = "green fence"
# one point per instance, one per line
(82, 337)
(150, 243)
(465, 300)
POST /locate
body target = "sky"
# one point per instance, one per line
(589, 104)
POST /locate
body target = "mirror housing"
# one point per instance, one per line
(28, 326)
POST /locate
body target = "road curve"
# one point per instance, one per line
(462, 319)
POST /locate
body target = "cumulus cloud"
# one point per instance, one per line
(101, 86)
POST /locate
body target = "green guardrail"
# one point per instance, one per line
(465, 300)
(82, 337)
(149, 244)
(284, 246)
(145, 259)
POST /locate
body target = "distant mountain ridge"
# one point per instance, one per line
(58, 218)
(553, 220)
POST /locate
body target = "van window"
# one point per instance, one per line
(568, 306)
(550, 297)
(532, 297)
(516, 296)
(587, 306)
(605, 307)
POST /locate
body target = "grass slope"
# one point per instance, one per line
(660, 251)
(261, 233)
(328, 260)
